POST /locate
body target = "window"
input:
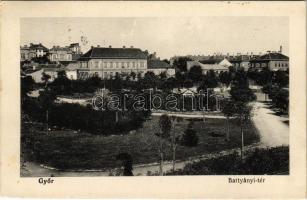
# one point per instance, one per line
(133, 64)
(96, 63)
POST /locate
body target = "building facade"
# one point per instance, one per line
(158, 67)
(272, 60)
(217, 66)
(107, 62)
(32, 51)
(57, 53)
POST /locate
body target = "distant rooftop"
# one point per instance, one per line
(121, 53)
(271, 56)
(158, 64)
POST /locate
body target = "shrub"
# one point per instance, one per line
(189, 138)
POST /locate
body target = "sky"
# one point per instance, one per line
(167, 36)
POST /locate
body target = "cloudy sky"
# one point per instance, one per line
(166, 36)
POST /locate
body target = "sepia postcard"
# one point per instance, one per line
(153, 99)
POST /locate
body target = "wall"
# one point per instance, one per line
(109, 67)
(278, 65)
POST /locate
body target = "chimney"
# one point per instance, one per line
(92, 47)
(268, 51)
(280, 49)
(110, 46)
(131, 47)
(98, 45)
(124, 47)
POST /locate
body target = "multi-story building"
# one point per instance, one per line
(158, 66)
(272, 60)
(241, 61)
(57, 53)
(106, 62)
(217, 65)
(75, 48)
(32, 51)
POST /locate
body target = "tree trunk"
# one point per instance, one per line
(116, 116)
(47, 119)
(161, 157)
(242, 138)
(174, 158)
(228, 129)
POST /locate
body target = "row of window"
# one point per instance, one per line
(97, 64)
(281, 65)
(105, 74)
(61, 56)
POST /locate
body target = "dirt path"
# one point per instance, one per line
(190, 115)
(272, 129)
(30, 169)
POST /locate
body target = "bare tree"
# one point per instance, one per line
(165, 125)
(174, 139)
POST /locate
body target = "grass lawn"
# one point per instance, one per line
(69, 150)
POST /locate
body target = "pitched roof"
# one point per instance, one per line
(38, 46)
(158, 64)
(71, 67)
(271, 56)
(57, 48)
(98, 52)
(76, 56)
(206, 66)
(211, 61)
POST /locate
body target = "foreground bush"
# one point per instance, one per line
(76, 117)
(258, 162)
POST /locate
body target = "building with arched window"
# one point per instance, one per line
(107, 62)
(272, 60)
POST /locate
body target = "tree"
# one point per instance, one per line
(45, 78)
(225, 78)
(127, 162)
(181, 63)
(150, 80)
(117, 83)
(62, 85)
(195, 74)
(241, 95)
(163, 75)
(240, 77)
(27, 84)
(46, 99)
(281, 78)
(180, 79)
(174, 139)
(169, 84)
(133, 75)
(165, 125)
(166, 60)
(189, 137)
(210, 81)
(228, 110)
